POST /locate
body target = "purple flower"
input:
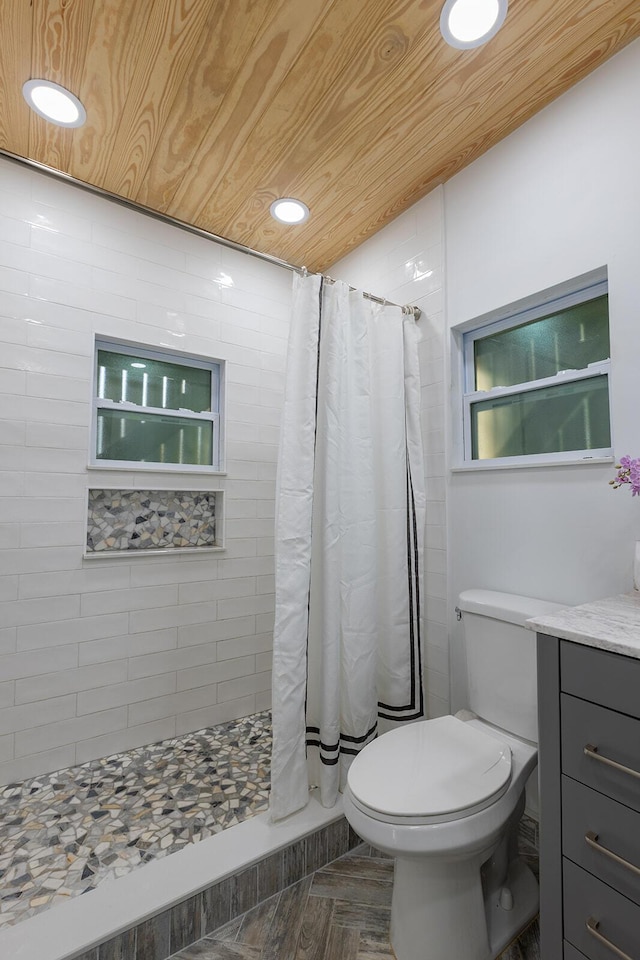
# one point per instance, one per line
(628, 473)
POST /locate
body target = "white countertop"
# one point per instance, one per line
(610, 624)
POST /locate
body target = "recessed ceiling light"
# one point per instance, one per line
(139, 366)
(54, 103)
(288, 210)
(470, 23)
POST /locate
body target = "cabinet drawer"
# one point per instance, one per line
(609, 679)
(617, 830)
(618, 919)
(616, 737)
(570, 953)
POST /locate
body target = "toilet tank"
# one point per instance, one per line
(501, 658)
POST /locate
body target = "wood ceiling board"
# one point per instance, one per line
(466, 127)
(257, 81)
(109, 73)
(15, 62)
(59, 43)
(483, 120)
(197, 103)
(337, 79)
(164, 56)
(348, 162)
(208, 109)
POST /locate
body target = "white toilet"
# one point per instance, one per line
(444, 796)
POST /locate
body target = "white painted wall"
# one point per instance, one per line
(404, 263)
(104, 655)
(556, 199)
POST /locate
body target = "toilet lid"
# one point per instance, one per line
(429, 769)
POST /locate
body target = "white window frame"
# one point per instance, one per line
(215, 416)
(582, 289)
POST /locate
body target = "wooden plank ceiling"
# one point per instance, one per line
(207, 110)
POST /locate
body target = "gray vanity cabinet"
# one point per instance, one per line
(589, 767)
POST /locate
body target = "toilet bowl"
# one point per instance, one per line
(444, 797)
(460, 892)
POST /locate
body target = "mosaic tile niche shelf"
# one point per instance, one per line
(63, 833)
(130, 521)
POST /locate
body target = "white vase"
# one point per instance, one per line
(636, 566)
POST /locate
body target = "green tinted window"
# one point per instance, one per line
(153, 438)
(153, 383)
(568, 339)
(569, 416)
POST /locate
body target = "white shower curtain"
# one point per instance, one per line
(349, 539)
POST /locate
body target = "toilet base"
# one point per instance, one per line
(438, 910)
(503, 926)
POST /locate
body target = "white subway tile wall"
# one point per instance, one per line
(404, 262)
(105, 655)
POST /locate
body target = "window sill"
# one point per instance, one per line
(568, 462)
(128, 467)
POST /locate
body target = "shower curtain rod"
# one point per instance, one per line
(407, 309)
(181, 224)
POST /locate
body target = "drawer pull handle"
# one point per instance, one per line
(591, 751)
(592, 927)
(592, 840)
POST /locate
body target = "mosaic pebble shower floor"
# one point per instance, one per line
(61, 834)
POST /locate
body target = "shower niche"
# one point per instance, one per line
(153, 522)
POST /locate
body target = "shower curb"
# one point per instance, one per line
(188, 921)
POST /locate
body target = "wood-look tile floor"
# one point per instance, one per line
(341, 912)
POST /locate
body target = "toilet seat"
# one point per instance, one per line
(429, 772)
